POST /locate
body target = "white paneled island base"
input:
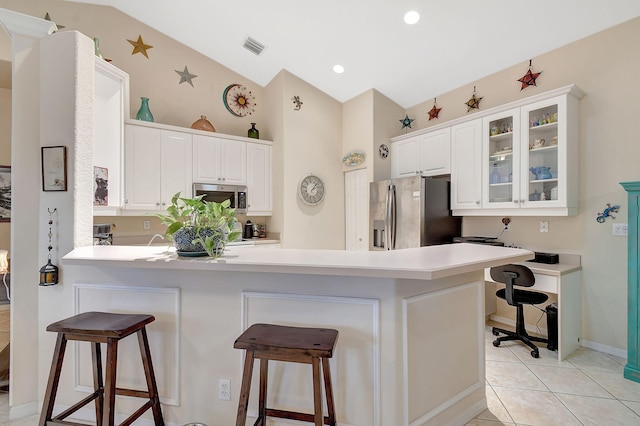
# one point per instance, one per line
(410, 349)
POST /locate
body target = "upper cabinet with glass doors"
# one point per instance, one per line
(530, 152)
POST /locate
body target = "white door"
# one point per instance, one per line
(404, 158)
(233, 162)
(206, 159)
(142, 168)
(176, 166)
(466, 165)
(435, 153)
(356, 203)
(258, 180)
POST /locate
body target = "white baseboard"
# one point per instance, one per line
(611, 350)
(512, 323)
(24, 410)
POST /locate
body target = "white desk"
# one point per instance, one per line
(564, 280)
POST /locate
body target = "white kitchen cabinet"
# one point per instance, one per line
(356, 192)
(111, 106)
(219, 160)
(158, 164)
(501, 166)
(466, 166)
(426, 154)
(518, 159)
(530, 153)
(259, 182)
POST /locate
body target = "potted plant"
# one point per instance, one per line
(198, 227)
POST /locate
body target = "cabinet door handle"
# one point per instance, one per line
(157, 204)
(478, 202)
(515, 201)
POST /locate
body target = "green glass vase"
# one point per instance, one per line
(144, 113)
(253, 132)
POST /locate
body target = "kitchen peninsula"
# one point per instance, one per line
(411, 324)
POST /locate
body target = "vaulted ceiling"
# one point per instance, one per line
(454, 43)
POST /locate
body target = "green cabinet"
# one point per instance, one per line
(632, 369)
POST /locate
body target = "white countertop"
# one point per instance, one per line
(432, 262)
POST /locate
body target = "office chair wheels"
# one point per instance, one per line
(496, 343)
(495, 332)
(535, 354)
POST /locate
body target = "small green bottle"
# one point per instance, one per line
(253, 132)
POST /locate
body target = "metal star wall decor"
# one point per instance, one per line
(139, 47)
(48, 18)
(433, 113)
(473, 102)
(406, 121)
(529, 79)
(297, 102)
(186, 76)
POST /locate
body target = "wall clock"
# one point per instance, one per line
(238, 100)
(383, 151)
(311, 190)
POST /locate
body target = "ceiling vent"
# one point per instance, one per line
(253, 46)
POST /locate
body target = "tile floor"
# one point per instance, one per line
(586, 389)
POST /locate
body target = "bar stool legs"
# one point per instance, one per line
(96, 328)
(290, 344)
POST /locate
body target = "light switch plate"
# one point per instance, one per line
(544, 226)
(620, 229)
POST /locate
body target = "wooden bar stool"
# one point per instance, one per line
(101, 327)
(292, 344)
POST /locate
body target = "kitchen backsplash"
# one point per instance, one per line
(131, 229)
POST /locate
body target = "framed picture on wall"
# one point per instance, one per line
(5, 193)
(54, 168)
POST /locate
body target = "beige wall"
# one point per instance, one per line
(605, 66)
(310, 143)
(155, 78)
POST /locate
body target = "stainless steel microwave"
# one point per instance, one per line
(237, 194)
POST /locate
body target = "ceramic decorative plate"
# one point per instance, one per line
(354, 158)
(238, 100)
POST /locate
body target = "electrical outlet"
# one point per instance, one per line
(506, 221)
(620, 229)
(146, 224)
(544, 226)
(224, 390)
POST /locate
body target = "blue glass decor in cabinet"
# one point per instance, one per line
(632, 369)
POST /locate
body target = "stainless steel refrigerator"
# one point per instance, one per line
(411, 212)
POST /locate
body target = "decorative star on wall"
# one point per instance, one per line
(48, 18)
(406, 121)
(433, 113)
(529, 79)
(473, 102)
(139, 47)
(186, 76)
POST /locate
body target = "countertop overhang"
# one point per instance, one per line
(424, 263)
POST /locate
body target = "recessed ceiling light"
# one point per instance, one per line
(338, 69)
(411, 17)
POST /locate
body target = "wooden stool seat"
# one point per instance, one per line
(108, 328)
(291, 344)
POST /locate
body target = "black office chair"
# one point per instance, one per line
(522, 276)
